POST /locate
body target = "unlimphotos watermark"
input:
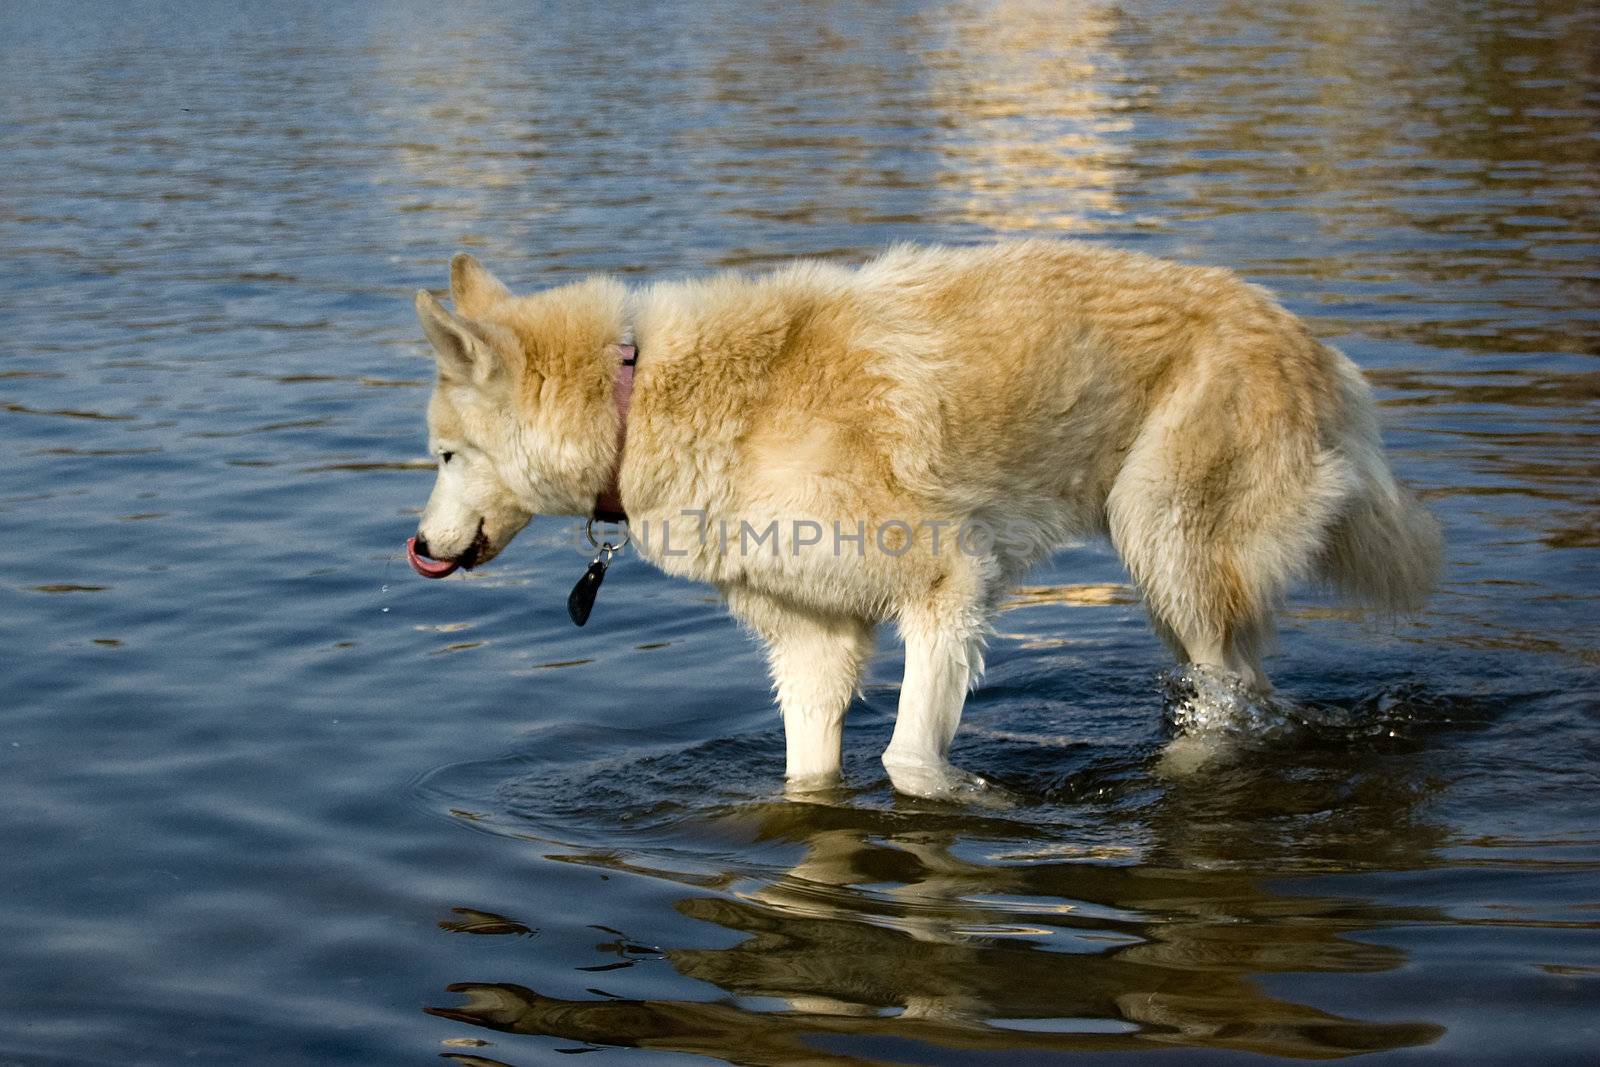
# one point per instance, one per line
(697, 532)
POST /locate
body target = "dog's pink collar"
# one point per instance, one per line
(608, 505)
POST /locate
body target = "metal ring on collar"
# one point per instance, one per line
(607, 546)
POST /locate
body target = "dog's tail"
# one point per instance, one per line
(1384, 549)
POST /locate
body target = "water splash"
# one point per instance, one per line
(1212, 716)
(1207, 700)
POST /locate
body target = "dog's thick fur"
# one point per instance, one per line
(1044, 390)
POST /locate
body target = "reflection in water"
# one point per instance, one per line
(1031, 93)
(948, 930)
(472, 921)
(929, 965)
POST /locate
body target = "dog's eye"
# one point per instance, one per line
(445, 456)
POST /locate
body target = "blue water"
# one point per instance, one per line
(273, 799)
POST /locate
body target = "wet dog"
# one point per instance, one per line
(836, 447)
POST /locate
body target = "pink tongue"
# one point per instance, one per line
(428, 568)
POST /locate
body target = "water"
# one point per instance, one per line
(272, 799)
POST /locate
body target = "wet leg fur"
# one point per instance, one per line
(944, 636)
(815, 661)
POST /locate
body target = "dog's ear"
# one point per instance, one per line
(472, 287)
(463, 351)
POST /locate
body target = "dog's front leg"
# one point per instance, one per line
(943, 657)
(816, 662)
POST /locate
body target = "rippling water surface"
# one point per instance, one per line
(272, 799)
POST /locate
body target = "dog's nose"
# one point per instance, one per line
(422, 546)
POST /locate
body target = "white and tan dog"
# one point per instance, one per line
(836, 447)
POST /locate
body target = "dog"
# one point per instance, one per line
(835, 447)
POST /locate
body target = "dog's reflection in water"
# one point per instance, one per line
(889, 942)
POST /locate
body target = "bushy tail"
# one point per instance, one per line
(1384, 551)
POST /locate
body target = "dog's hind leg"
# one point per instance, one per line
(944, 658)
(1238, 653)
(815, 661)
(1224, 500)
(1207, 605)
(1214, 514)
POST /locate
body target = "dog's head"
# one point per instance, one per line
(517, 417)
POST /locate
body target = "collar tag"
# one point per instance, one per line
(581, 600)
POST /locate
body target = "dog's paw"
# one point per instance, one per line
(942, 781)
(815, 789)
